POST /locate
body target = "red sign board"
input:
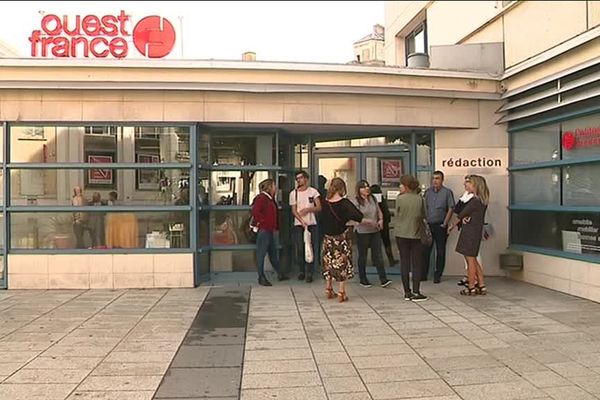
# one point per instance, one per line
(391, 171)
(101, 36)
(581, 137)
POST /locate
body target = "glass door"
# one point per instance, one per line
(344, 166)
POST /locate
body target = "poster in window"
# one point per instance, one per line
(100, 177)
(148, 179)
(391, 171)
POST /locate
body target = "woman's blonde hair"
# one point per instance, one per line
(337, 185)
(481, 188)
(265, 185)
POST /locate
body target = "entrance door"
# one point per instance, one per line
(344, 166)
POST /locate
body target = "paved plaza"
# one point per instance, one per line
(288, 342)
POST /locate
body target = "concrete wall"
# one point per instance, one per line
(534, 27)
(482, 57)
(487, 140)
(180, 106)
(578, 278)
(100, 271)
(398, 18)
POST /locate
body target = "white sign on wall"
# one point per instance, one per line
(491, 161)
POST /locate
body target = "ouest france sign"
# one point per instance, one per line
(101, 36)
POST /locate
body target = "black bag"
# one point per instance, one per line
(426, 236)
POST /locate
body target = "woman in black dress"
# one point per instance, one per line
(472, 217)
(337, 251)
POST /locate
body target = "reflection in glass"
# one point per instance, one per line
(538, 187)
(342, 167)
(228, 227)
(132, 186)
(99, 144)
(424, 150)
(581, 185)
(366, 142)
(234, 261)
(236, 187)
(584, 133)
(424, 178)
(242, 150)
(100, 230)
(1, 267)
(536, 145)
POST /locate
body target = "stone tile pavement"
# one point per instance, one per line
(519, 342)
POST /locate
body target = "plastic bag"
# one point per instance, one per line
(308, 248)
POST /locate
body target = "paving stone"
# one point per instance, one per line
(337, 370)
(273, 355)
(200, 382)
(343, 385)
(139, 357)
(9, 368)
(119, 383)
(35, 391)
(500, 391)
(470, 362)
(588, 383)
(571, 369)
(63, 362)
(378, 350)
(454, 351)
(411, 389)
(127, 369)
(48, 376)
(546, 379)
(284, 380)
(262, 367)
(307, 393)
(398, 360)
(478, 376)
(208, 356)
(112, 395)
(398, 374)
(350, 396)
(568, 393)
(278, 344)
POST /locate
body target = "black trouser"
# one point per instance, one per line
(364, 241)
(440, 237)
(298, 248)
(411, 251)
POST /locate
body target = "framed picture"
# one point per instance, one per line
(148, 179)
(101, 178)
(391, 171)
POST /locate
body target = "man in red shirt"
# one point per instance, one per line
(266, 217)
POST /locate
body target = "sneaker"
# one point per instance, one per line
(301, 276)
(365, 284)
(408, 296)
(309, 278)
(437, 280)
(386, 283)
(419, 297)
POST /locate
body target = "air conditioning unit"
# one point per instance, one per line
(417, 60)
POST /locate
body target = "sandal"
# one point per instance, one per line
(481, 290)
(468, 292)
(342, 297)
(329, 293)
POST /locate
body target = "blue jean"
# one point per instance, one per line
(298, 246)
(267, 242)
(372, 241)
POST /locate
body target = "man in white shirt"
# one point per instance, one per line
(305, 203)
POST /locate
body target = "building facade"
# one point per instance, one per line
(547, 54)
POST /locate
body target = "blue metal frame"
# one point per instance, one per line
(6, 195)
(556, 253)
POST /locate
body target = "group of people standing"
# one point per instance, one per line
(338, 214)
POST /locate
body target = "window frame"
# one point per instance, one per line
(422, 27)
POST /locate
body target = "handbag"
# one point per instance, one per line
(308, 248)
(426, 236)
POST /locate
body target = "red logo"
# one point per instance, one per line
(154, 36)
(101, 36)
(568, 140)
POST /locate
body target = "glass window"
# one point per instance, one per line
(395, 140)
(301, 156)
(228, 227)
(101, 230)
(236, 187)
(424, 150)
(1, 145)
(538, 187)
(1, 267)
(203, 228)
(581, 185)
(242, 149)
(536, 145)
(130, 186)
(424, 178)
(160, 144)
(567, 231)
(203, 148)
(581, 137)
(416, 41)
(234, 261)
